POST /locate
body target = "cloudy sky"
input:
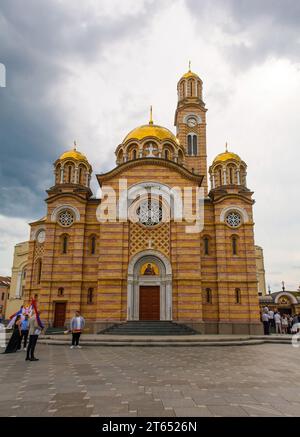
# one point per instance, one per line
(89, 71)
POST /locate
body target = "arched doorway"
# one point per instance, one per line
(149, 293)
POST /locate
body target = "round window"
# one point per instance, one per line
(65, 218)
(233, 219)
(149, 212)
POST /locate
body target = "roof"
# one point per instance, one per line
(5, 281)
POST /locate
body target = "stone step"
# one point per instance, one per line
(148, 328)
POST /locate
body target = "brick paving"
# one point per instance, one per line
(261, 380)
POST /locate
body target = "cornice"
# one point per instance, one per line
(150, 161)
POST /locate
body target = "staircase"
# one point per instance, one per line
(148, 328)
(54, 331)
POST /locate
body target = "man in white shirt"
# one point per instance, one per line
(266, 323)
(77, 325)
(271, 318)
(277, 318)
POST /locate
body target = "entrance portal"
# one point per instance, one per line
(149, 303)
(149, 287)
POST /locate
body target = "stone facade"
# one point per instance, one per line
(206, 279)
(18, 279)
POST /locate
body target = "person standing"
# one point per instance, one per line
(77, 325)
(24, 331)
(15, 339)
(271, 318)
(284, 324)
(277, 318)
(266, 322)
(35, 328)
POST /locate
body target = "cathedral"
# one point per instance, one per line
(134, 254)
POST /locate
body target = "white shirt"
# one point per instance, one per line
(277, 318)
(265, 317)
(78, 322)
(271, 314)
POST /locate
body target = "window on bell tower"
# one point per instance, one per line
(192, 142)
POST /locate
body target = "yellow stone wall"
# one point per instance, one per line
(107, 270)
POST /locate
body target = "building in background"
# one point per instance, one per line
(260, 270)
(286, 301)
(18, 278)
(4, 294)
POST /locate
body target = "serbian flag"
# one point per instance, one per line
(34, 306)
(14, 316)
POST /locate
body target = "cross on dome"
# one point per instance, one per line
(151, 149)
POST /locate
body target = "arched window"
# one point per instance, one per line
(191, 88)
(38, 271)
(90, 295)
(206, 245)
(220, 176)
(134, 154)
(192, 145)
(69, 174)
(208, 295)
(60, 291)
(180, 157)
(166, 153)
(195, 145)
(93, 242)
(230, 175)
(64, 244)
(182, 89)
(234, 244)
(237, 295)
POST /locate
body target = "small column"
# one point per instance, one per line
(224, 176)
(213, 180)
(62, 175)
(76, 175)
(238, 174)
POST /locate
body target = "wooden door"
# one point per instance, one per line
(149, 303)
(59, 314)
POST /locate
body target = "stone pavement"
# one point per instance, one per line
(262, 380)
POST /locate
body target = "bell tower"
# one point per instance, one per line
(190, 122)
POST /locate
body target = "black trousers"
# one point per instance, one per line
(266, 328)
(31, 346)
(25, 337)
(75, 338)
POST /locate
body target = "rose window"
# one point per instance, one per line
(65, 218)
(233, 219)
(149, 212)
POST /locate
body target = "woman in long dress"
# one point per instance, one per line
(14, 343)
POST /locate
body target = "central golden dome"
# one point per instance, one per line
(151, 130)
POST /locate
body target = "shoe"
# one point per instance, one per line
(34, 359)
(79, 347)
(27, 359)
(71, 347)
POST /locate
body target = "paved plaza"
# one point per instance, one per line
(261, 380)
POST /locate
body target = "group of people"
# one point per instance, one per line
(279, 323)
(25, 327)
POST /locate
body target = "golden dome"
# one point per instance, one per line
(151, 130)
(226, 156)
(190, 73)
(73, 154)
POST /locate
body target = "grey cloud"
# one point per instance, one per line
(271, 25)
(38, 41)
